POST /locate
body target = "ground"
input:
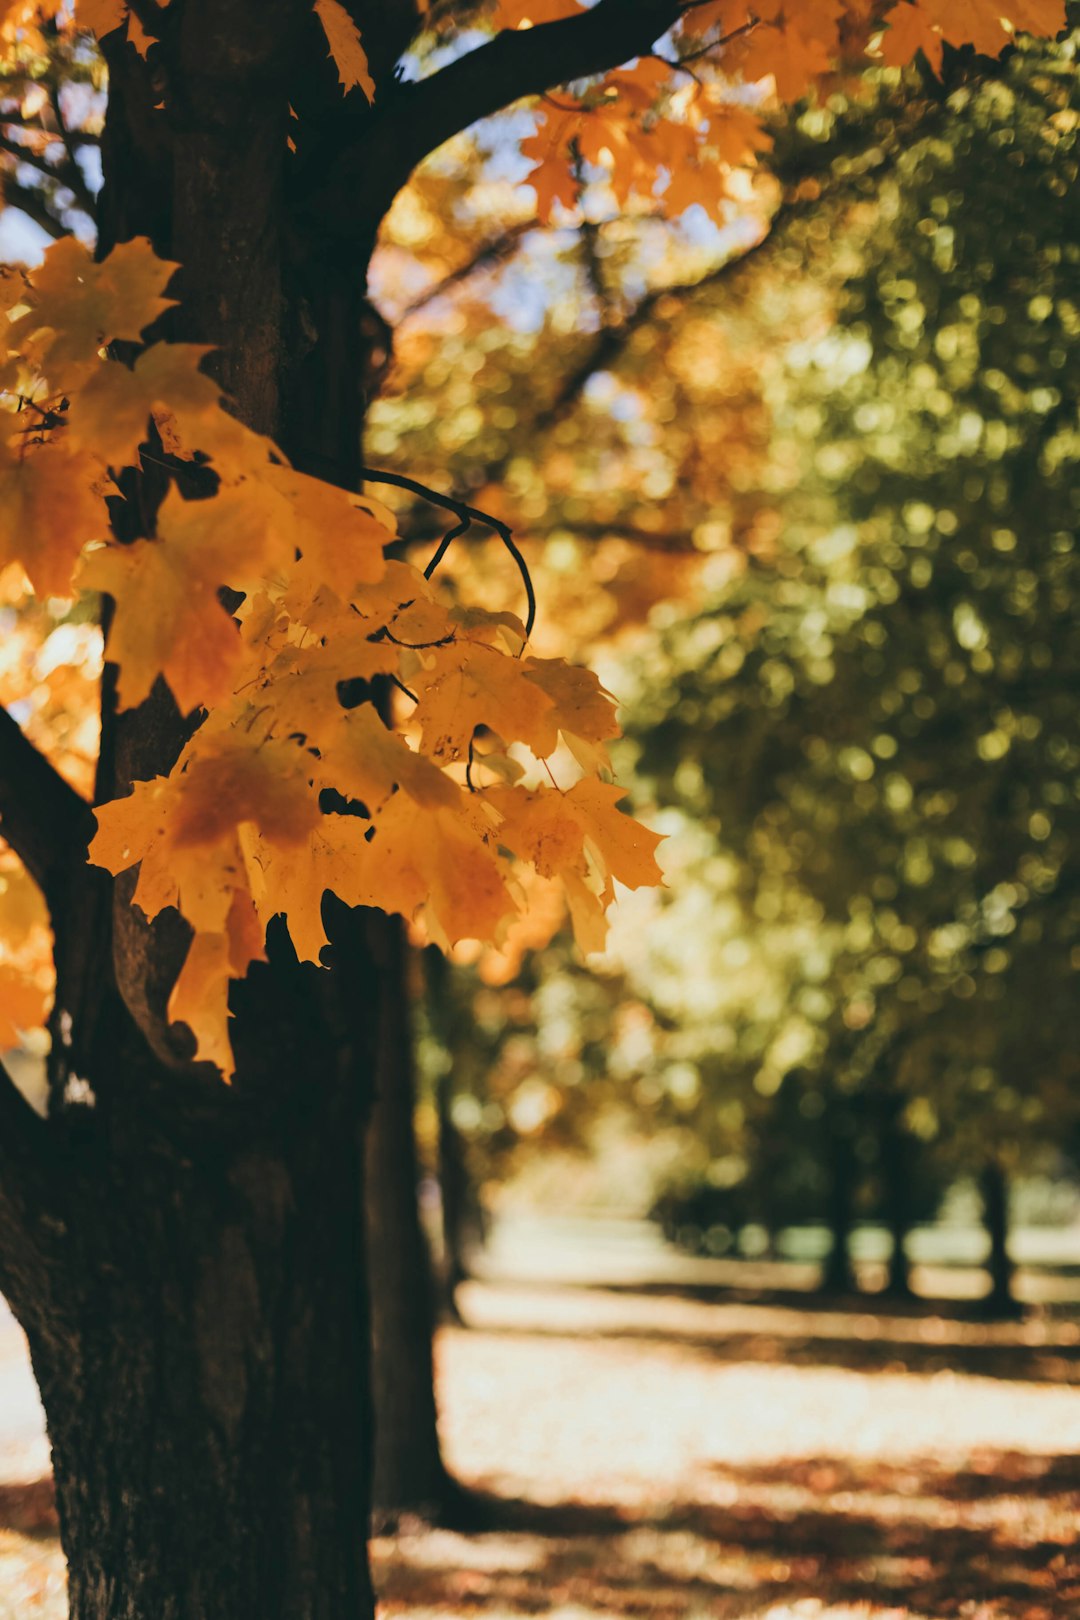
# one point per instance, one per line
(652, 1447)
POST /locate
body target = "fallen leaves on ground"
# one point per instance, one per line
(633, 1454)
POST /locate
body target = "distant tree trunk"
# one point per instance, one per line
(838, 1275)
(994, 1186)
(896, 1167)
(454, 1191)
(409, 1478)
(454, 1186)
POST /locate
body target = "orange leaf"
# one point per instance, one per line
(343, 38)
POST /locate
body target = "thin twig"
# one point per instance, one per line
(466, 515)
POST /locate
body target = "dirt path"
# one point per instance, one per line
(653, 1455)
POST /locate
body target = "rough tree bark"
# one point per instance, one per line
(187, 1258)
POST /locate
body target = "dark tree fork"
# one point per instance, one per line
(187, 1259)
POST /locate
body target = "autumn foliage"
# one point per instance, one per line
(351, 729)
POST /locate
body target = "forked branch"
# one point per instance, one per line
(466, 516)
(363, 177)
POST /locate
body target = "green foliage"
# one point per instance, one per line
(880, 715)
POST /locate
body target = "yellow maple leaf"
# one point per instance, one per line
(468, 685)
(582, 706)
(343, 38)
(110, 413)
(200, 996)
(292, 883)
(626, 848)
(168, 618)
(49, 511)
(79, 306)
(365, 759)
(298, 694)
(550, 829)
(268, 786)
(339, 540)
(433, 858)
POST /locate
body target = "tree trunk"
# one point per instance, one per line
(460, 1213)
(204, 1382)
(456, 1196)
(198, 1318)
(896, 1167)
(838, 1274)
(994, 1186)
(409, 1478)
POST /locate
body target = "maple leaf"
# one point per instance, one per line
(110, 414)
(200, 996)
(469, 685)
(100, 17)
(298, 695)
(910, 30)
(292, 884)
(529, 13)
(368, 760)
(623, 844)
(48, 512)
(420, 856)
(340, 541)
(583, 708)
(792, 57)
(79, 306)
(1046, 18)
(13, 287)
(185, 835)
(343, 38)
(168, 618)
(184, 832)
(268, 786)
(552, 176)
(986, 24)
(582, 838)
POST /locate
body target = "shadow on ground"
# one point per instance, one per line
(858, 1333)
(915, 1538)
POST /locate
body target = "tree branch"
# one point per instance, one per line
(488, 255)
(33, 205)
(45, 821)
(466, 515)
(31, 1223)
(362, 178)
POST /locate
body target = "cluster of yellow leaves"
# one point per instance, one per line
(687, 134)
(283, 792)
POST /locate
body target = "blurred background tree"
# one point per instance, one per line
(845, 424)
